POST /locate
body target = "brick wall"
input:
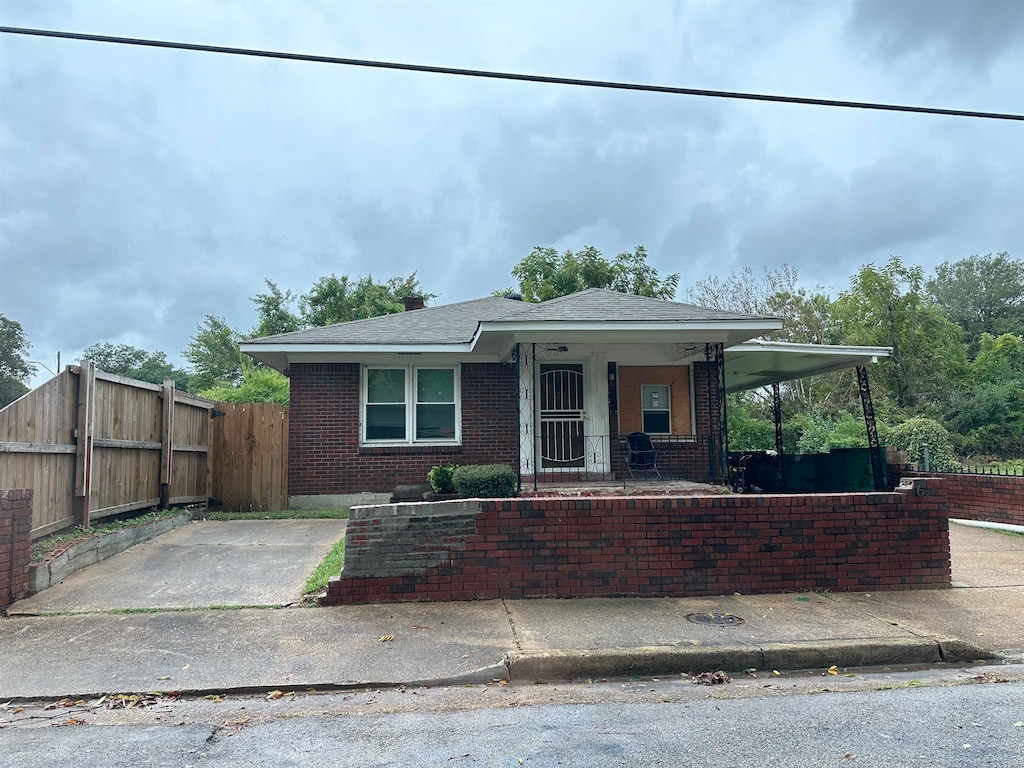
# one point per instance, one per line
(324, 455)
(665, 546)
(995, 498)
(15, 543)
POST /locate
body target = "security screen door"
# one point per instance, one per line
(562, 414)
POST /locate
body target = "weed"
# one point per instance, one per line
(331, 566)
(341, 513)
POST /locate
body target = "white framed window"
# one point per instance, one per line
(657, 409)
(410, 404)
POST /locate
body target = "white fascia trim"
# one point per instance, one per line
(755, 345)
(626, 325)
(461, 348)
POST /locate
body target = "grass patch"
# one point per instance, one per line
(341, 513)
(44, 546)
(331, 566)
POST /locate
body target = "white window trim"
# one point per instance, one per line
(666, 409)
(410, 404)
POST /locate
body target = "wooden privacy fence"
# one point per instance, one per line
(93, 444)
(251, 446)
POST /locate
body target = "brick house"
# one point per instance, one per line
(550, 389)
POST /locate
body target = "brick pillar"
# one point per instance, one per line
(15, 543)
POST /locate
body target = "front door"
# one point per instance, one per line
(562, 412)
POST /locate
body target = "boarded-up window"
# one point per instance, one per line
(668, 381)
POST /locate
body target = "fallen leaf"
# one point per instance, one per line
(1019, 724)
(833, 670)
(275, 695)
(776, 673)
(215, 698)
(465, 655)
(420, 626)
(73, 721)
(387, 638)
(186, 666)
(164, 677)
(19, 710)
(849, 756)
(710, 678)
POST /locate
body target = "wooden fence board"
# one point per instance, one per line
(249, 446)
(103, 442)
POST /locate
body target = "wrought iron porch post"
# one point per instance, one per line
(777, 416)
(877, 470)
(718, 437)
(533, 403)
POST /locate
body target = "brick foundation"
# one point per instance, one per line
(646, 547)
(994, 498)
(15, 544)
(324, 455)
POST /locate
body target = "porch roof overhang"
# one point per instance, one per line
(760, 363)
(493, 340)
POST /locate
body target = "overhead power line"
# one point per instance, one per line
(547, 79)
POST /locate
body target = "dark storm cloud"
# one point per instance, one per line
(141, 190)
(974, 33)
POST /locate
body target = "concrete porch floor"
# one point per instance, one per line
(628, 487)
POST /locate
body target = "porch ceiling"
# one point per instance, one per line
(761, 363)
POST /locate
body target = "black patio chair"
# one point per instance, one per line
(641, 455)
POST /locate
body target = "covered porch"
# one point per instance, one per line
(582, 406)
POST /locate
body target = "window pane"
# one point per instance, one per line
(385, 422)
(656, 423)
(385, 385)
(656, 397)
(435, 385)
(435, 422)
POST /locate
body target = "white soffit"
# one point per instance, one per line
(762, 363)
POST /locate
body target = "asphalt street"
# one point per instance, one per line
(927, 726)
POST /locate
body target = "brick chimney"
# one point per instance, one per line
(413, 303)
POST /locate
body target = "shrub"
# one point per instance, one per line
(914, 433)
(484, 481)
(440, 478)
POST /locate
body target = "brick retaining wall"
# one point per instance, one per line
(15, 544)
(663, 546)
(995, 498)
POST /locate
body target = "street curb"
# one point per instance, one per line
(480, 676)
(664, 660)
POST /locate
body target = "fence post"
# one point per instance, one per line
(167, 444)
(84, 426)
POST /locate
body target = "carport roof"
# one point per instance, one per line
(758, 363)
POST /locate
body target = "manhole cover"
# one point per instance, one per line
(715, 619)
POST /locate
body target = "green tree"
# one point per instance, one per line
(888, 307)
(214, 354)
(809, 316)
(259, 385)
(987, 411)
(274, 312)
(334, 299)
(981, 294)
(15, 368)
(545, 274)
(135, 363)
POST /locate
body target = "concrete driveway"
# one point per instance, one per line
(202, 564)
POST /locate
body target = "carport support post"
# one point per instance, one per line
(777, 415)
(877, 470)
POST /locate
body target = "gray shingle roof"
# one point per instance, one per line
(457, 323)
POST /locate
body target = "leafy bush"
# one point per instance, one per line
(913, 434)
(821, 434)
(440, 478)
(484, 481)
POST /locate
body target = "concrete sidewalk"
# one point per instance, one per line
(219, 651)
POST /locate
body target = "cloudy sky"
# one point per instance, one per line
(142, 189)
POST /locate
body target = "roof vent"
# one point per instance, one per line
(513, 296)
(413, 302)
